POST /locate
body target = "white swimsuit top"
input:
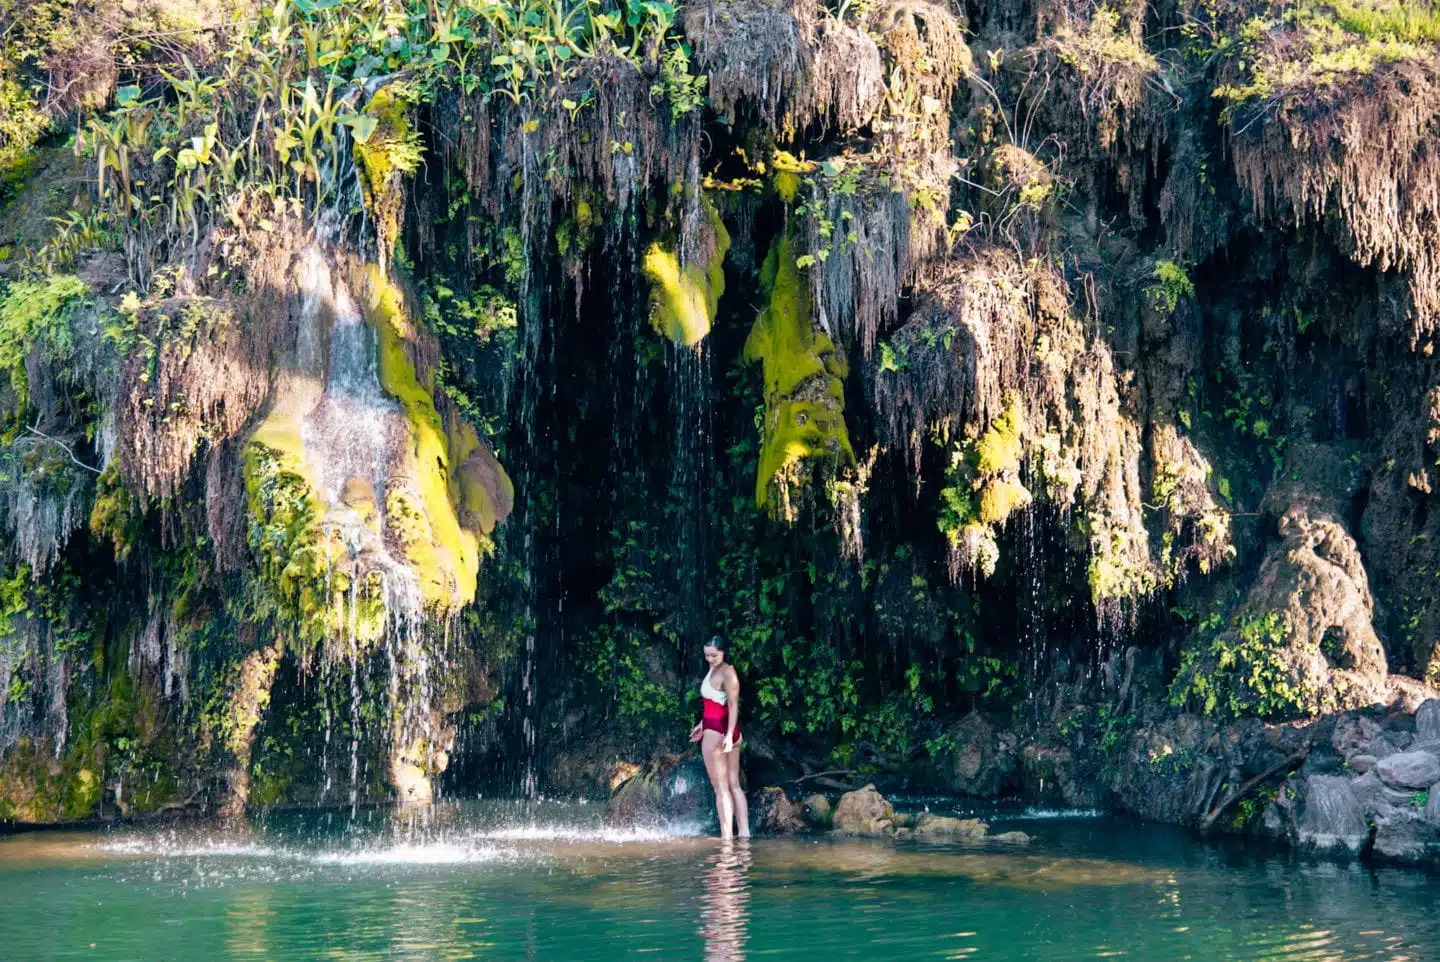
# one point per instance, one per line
(709, 691)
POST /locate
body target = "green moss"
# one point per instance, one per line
(804, 380)
(999, 498)
(115, 515)
(1316, 45)
(1170, 286)
(297, 562)
(35, 315)
(1116, 568)
(446, 557)
(392, 147)
(982, 488)
(999, 449)
(683, 301)
(479, 486)
(788, 170)
(118, 734)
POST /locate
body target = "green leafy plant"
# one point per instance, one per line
(1242, 671)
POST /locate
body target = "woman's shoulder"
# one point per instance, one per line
(729, 673)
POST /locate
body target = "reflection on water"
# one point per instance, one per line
(247, 924)
(724, 902)
(497, 882)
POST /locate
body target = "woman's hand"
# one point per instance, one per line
(697, 733)
(729, 742)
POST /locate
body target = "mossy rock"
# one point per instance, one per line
(446, 557)
(683, 301)
(804, 430)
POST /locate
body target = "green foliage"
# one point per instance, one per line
(35, 315)
(893, 360)
(249, 143)
(685, 93)
(21, 125)
(1101, 45)
(485, 315)
(616, 659)
(1170, 286)
(14, 598)
(1241, 672)
(1319, 44)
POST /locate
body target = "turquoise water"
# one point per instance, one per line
(509, 882)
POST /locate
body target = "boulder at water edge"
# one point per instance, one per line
(817, 810)
(672, 788)
(1330, 816)
(772, 812)
(1405, 835)
(1427, 721)
(864, 812)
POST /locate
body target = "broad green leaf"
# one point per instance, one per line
(362, 126)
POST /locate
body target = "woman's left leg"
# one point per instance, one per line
(737, 795)
(715, 767)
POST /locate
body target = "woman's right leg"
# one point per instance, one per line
(719, 780)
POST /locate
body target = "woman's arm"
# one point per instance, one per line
(732, 701)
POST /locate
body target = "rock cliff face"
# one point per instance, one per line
(1039, 397)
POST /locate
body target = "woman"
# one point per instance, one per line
(719, 737)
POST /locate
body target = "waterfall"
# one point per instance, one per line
(693, 462)
(353, 438)
(533, 324)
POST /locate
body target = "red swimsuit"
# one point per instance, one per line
(715, 716)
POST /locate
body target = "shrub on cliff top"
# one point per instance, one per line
(1318, 45)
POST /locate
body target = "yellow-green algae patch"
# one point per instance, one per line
(683, 300)
(788, 170)
(804, 380)
(297, 561)
(421, 515)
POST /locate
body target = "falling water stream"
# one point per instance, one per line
(353, 438)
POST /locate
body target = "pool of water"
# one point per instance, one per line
(505, 881)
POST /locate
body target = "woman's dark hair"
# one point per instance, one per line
(717, 642)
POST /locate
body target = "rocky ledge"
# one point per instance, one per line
(1359, 784)
(674, 789)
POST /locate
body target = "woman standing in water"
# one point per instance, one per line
(719, 736)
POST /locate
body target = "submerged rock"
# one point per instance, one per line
(1012, 838)
(1330, 816)
(864, 812)
(941, 826)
